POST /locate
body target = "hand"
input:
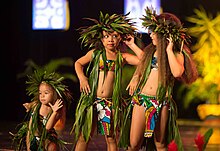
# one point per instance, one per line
(28, 106)
(57, 105)
(133, 85)
(84, 86)
(129, 40)
(170, 44)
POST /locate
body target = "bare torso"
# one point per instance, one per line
(150, 87)
(105, 85)
(106, 82)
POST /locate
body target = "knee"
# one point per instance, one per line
(134, 145)
(160, 146)
(81, 139)
(110, 140)
(52, 147)
(81, 144)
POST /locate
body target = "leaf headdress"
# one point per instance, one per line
(169, 27)
(53, 79)
(91, 35)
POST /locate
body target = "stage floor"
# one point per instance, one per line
(188, 130)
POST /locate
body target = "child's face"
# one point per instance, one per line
(153, 36)
(111, 40)
(46, 94)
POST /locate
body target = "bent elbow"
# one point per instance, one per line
(76, 63)
(178, 73)
(138, 62)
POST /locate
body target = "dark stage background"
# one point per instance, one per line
(19, 43)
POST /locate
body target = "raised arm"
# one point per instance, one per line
(176, 61)
(130, 58)
(56, 114)
(131, 44)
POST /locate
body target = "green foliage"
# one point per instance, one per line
(18, 140)
(127, 74)
(207, 136)
(206, 30)
(51, 66)
(165, 27)
(90, 36)
(40, 76)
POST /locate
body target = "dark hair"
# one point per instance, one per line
(174, 20)
(165, 77)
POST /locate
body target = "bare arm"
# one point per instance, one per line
(60, 124)
(28, 135)
(79, 66)
(56, 114)
(176, 61)
(29, 106)
(130, 58)
(133, 84)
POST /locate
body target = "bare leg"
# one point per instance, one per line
(137, 128)
(81, 144)
(111, 140)
(51, 146)
(160, 129)
(111, 143)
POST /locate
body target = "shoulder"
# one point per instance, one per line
(93, 52)
(126, 54)
(88, 55)
(129, 58)
(90, 52)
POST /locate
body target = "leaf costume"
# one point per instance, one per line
(91, 37)
(84, 110)
(39, 122)
(166, 26)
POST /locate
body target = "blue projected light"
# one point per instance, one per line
(137, 10)
(50, 15)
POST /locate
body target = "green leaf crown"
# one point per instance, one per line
(166, 27)
(90, 36)
(53, 79)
